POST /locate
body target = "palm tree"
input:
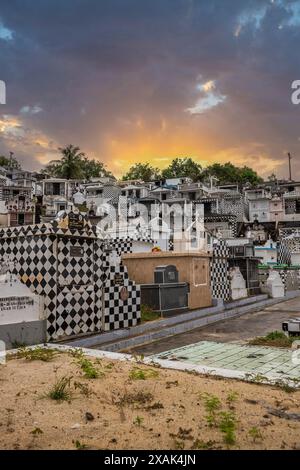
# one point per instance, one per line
(70, 166)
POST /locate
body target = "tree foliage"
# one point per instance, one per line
(74, 164)
(228, 173)
(185, 167)
(9, 162)
(142, 171)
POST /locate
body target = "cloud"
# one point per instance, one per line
(31, 109)
(5, 33)
(209, 98)
(15, 135)
(120, 78)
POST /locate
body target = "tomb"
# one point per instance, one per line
(22, 318)
(193, 269)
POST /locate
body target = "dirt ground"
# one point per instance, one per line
(164, 411)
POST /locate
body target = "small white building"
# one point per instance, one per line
(267, 253)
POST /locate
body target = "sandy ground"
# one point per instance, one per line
(172, 416)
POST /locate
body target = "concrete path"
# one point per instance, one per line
(232, 330)
(255, 360)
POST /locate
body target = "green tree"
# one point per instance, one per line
(9, 162)
(142, 171)
(248, 175)
(228, 173)
(75, 165)
(70, 166)
(94, 169)
(183, 167)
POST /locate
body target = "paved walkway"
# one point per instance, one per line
(262, 361)
(239, 329)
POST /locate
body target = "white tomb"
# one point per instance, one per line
(274, 285)
(237, 284)
(17, 303)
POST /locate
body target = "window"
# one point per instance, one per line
(54, 189)
(21, 219)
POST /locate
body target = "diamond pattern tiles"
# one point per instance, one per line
(77, 269)
(219, 272)
(118, 311)
(70, 272)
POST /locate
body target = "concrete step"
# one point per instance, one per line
(117, 335)
(153, 331)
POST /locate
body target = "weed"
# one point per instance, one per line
(109, 366)
(138, 358)
(147, 314)
(183, 434)
(77, 353)
(135, 398)
(255, 433)
(257, 378)
(178, 445)
(200, 444)
(170, 383)
(36, 431)
(227, 426)
(143, 374)
(231, 399)
(156, 406)
(60, 391)
(211, 404)
(83, 388)
(275, 338)
(79, 445)
(138, 421)
(89, 370)
(37, 354)
(285, 386)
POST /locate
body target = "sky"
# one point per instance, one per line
(151, 80)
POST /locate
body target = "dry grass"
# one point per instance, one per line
(167, 410)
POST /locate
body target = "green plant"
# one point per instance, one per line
(140, 398)
(231, 398)
(274, 338)
(138, 421)
(77, 353)
(255, 433)
(83, 388)
(36, 431)
(147, 314)
(37, 354)
(285, 386)
(79, 445)
(211, 404)
(60, 391)
(143, 374)
(200, 444)
(227, 426)
(88, 368)
(257, 378)
(178, 445)
(183, 434)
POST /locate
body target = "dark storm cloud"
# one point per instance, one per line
(100, 71)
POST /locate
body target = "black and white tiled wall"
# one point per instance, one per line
(69, 268)
(219, 271)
